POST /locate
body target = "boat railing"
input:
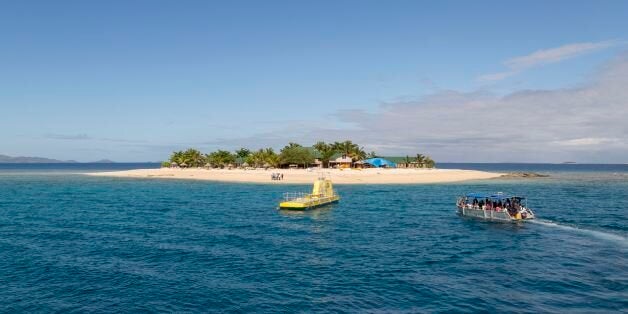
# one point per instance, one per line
(301, 196)
(291, 196)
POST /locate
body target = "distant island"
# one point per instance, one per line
(4, 159)
(344, 162)
(103, 161)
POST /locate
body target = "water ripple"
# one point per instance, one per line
(83, 244)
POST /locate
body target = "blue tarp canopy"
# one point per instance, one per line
(380, 162)
(494, 196)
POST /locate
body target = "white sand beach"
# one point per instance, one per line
(304, 176)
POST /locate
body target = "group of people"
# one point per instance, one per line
(276, 176)
(512, 205)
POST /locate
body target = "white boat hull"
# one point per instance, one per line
(493, 215)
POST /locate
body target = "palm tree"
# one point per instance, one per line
(273, 160)
(177, 157)
(326, 150)
(346, 147)
(256, 158)
(349, 149)
(407, 161)
(193, 157)
(429, 162)
(263, 156)
(420, 159)
(358, 154)
(242, 153)
(220, 158)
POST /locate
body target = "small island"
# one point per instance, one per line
(345, 162)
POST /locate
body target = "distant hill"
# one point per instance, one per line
(103, 161)
(32, 160)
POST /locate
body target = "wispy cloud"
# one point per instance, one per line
(546, 56)
(85, 137)
(586, 123)
(69, 137)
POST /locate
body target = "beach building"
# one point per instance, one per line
(341, 162)
(406, 162)
(318, 163)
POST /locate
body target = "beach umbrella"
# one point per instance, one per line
(183, 164)
(266, 165)
(246, 164)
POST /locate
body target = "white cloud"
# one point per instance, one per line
(546, 56)
(585, 124)
(588, 141)
(85, 137)
(70, 137)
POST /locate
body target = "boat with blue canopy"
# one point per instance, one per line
(495, 207)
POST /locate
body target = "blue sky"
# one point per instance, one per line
(134, 80)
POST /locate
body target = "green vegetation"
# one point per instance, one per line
(296, 154)
(263, 158)
(327, 151)
(291, 154)
(424, 161)
(188, 158)
(350, 149)
(242, 153)
(220, 158)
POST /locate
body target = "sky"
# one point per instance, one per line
(461, 81)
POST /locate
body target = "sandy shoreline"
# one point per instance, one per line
(302, 176)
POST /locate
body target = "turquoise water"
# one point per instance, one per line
(70, 242)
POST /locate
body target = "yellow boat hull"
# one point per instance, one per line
(310, 202)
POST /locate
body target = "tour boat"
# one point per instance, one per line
(322, 194)
(494, 207)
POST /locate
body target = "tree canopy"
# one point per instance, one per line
(293, 153)
(190, 157)
(220, 158)
(326, 150)
(350, 149)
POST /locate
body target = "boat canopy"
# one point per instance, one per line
(494, 196)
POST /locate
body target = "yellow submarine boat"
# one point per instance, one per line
(322, 194)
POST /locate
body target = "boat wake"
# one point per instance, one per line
(597, 234)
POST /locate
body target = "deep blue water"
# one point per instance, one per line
(70, 242)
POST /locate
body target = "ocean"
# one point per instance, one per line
(75, 243)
